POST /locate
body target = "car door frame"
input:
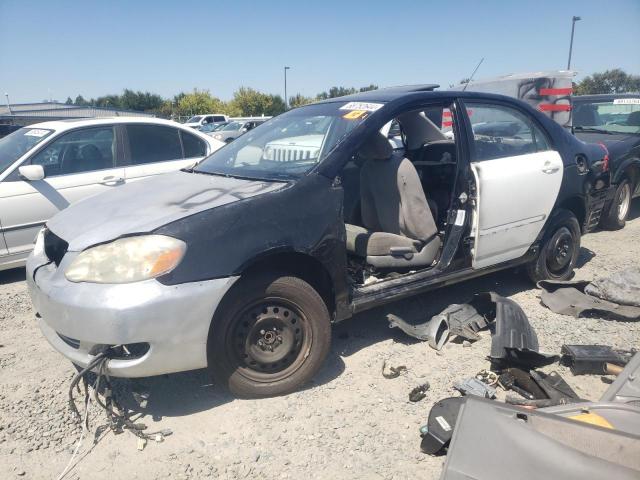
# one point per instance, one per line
(549, 138)
(127, 157)
(459, 266)
(13, 172)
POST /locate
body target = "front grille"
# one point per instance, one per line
(292, 154)
(54, 247)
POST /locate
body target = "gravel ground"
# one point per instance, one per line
(349, 423)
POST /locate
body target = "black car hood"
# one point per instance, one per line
(145, 205)
(617, 143)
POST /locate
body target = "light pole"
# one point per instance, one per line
(8, 103)
(286, 100)
(573, 28)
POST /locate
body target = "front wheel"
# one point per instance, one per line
(270, 335)
(615, 215)
(559, 250)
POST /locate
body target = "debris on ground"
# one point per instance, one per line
(580, 298)
(473, 386)
(392, 372)
(593, 359)
(419, 392)
(437, 433)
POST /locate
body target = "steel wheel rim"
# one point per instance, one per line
(270, 339)
(561, 251)
(624, 201)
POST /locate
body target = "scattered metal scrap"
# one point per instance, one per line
(473, 386)
(575, 441)
(392, 372)
(419, 393)
(593, 359)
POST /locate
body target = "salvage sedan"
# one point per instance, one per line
(241, 264)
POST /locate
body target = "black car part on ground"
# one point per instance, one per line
(494, 441)
(419, 392)
(569, 298)
(514, 341)
(593, 359)
(520, 381)
(437, 433)
(463, 320)
(544, 391)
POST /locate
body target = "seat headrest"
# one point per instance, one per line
(376, 147)
(634, 119)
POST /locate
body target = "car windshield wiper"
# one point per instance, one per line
(592, 129)
(273, 177)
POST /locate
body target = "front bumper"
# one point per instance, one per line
(173, 320)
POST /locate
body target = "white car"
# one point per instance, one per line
(198, 121)
(47, 166)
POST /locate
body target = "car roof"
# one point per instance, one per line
(417, 92)
(603, 97)
(61, 125)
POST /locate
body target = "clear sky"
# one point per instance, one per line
(60, 48)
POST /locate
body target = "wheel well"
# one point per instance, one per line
(632, 172)
(302, 266)
(576, 205)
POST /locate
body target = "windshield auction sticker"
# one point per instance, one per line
(626, 101)
(367, 107)
(355, 114)
(36, 132)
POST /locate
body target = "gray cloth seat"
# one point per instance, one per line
(399, 229)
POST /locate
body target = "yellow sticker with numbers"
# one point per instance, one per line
(354, 114)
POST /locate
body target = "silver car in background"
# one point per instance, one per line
(47, 166)
(234, 129)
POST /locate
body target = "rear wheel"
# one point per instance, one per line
(615, 215)
(559, 250)
(270, 335)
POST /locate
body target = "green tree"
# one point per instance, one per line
(611, 81)
(369, 88)
(80, 101)
(249, 102)
(69, 101)
(298, 100)
(199, 102)
(142, 101)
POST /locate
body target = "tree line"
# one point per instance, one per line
(251, 102)
(246, 102)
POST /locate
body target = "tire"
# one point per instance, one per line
(270, 335)
(228, 140)
(615, 215)
(559, 250)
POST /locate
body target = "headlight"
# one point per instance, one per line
(126, 260)
(218, 136)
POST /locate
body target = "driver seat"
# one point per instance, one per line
(399, 229)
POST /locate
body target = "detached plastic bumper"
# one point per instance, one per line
(165, 327)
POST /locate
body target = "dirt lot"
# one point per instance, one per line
(350, 423)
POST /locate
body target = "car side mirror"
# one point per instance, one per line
(31, 173)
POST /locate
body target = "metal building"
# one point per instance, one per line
(28, 113)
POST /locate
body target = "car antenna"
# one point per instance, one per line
(474, 72)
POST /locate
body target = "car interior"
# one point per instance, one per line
(82, 151)
(398, 189)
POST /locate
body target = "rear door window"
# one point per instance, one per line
(193, 146)
(500, 131)
(153, 143)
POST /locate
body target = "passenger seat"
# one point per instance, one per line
(399, 229)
